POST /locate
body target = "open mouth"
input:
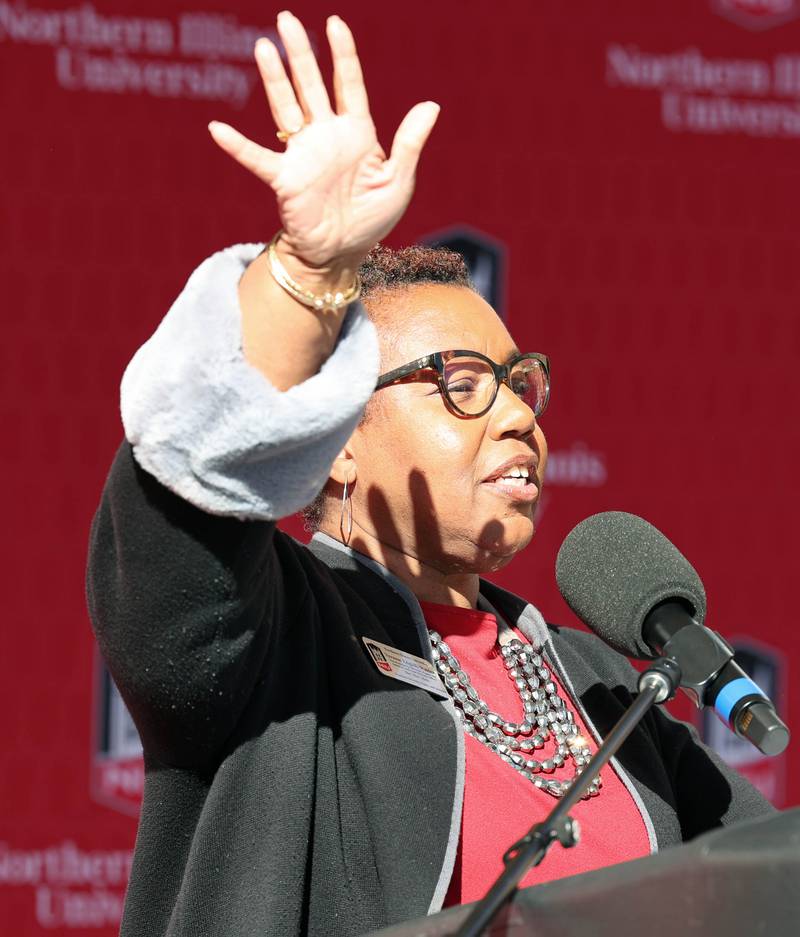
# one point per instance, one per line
(517, 482)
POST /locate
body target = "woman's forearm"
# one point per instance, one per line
(286, 340)
(208, 425)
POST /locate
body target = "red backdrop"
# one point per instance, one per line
(637, 167)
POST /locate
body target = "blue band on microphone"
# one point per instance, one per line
(732, 692)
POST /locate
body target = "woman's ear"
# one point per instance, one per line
(343, 475)
(344, 468)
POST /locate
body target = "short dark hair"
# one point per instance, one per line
(386, 270)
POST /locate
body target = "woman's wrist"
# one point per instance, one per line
(335, 285)
(335, 275)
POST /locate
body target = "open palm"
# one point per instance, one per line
(337, 192)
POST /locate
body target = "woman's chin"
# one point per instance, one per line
(500, 541)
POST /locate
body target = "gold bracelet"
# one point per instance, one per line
(328, 301)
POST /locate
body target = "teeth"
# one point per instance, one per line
(517, 476)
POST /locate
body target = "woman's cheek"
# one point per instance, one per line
(451, 456)
(541, 445)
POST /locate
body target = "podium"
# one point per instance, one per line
(739, 880)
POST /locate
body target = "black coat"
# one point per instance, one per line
(290, 788)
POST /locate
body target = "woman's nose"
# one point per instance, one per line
(511, 415)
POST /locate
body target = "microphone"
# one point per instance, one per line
(637, 592)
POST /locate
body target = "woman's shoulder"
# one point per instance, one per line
(581, 649)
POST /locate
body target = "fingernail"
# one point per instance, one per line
(219, 130)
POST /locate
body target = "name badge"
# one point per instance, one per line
(404, 667)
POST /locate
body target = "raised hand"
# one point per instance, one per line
(337, 193)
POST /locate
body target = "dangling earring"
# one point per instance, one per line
(346, 503)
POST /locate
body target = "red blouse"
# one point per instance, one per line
(500, 805)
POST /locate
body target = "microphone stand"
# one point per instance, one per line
(656, 685)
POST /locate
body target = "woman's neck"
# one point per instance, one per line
(427, 583)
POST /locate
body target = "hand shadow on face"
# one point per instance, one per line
(426, 543)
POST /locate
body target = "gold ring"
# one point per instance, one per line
(283, 135)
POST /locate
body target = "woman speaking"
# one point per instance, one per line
(346, 735)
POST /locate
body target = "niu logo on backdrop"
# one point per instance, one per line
(117, 771)
(757, 14)
(485, 258)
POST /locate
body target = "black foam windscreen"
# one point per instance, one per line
(613, 568)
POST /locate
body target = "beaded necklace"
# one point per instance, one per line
(546, 716)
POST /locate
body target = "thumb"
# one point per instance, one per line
(411, 136)
(260, 161)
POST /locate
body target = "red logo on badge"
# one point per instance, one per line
(379, 658)
(757, 14)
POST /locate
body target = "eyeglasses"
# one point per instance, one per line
(469, 381)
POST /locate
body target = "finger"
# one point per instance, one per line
(411, 136)
(308, 83)
(286, 112)
(260, 161)
(348, 80)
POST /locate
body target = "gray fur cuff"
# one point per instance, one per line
(211, 428)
